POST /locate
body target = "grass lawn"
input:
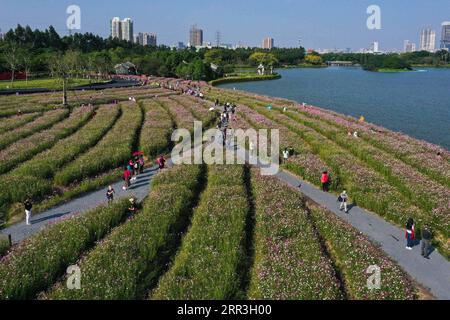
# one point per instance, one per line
(47, 83)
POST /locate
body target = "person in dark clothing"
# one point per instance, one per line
(409, 235)
(426, 242)
(28, 207)
(133, 208)
(110, 194)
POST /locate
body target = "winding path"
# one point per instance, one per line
(139, 189)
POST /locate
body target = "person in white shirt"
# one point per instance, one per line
(343, 199)
(285, 155)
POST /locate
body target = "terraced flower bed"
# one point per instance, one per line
(112, 151)
(37, 262)
(17, 121)
(156, 131)
(353, 253)
(41, 169)
(24, 149)
(41, 123)
(128, 262)
(374, 178)
(208, 263)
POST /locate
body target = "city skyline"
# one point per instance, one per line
(319, 25)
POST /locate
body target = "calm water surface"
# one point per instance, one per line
(416, 103)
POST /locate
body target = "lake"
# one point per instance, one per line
(416, 103)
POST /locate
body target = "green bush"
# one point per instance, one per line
(207, 265)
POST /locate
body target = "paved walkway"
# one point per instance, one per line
(139, 189)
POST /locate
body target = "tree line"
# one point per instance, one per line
(35, 52)
(373, 62)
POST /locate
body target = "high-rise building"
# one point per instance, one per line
(427, 40)
(127, 30)
(151, 40)
(375, 47)
(268, 43)
(409, 46)
(122, 30)
(146, 39)
(116, 28)
(445, 37)
(195, 37)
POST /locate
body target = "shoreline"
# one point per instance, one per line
(238, 79)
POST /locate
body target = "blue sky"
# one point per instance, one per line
(318, 23)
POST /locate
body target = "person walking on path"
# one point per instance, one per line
(28, 207)
(409, 235)
(343, 198)
(426, 242)
(325, 180)
(110, 194)
(285, 155)
(126, 178)
(141, 164)
(133, 208)
(161, 163)
(252, 148)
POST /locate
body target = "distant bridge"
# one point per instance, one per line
(340, 63)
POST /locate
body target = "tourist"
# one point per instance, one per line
(131, 166)
(409, 234)
(110, 194)
(136, 168)
(161, 162)
(343, 198)
(132, 209)
(126, 178)
(252, 148)
(141, 164)
(426, 242)
(216, 103)
(325, 180)
(285, 155)
(28, 208)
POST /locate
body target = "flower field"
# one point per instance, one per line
(207, 232)
(386, 182)
(126, 263)
(36, 263)
(111, 152)
(156, 131)
(213, 242)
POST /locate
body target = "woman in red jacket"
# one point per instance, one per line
(325, 180)
(126, 178)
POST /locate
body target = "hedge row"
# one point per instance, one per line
(36, 263)
(128, 262)
(47, 120)
(208, 263)
(112, 151)
(289, 262)
(156, 131)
